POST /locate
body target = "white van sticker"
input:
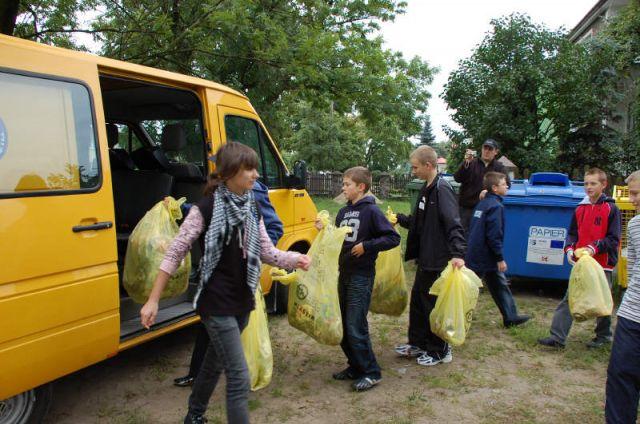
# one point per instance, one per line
(545, 245)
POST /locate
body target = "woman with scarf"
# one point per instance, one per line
(235, 244)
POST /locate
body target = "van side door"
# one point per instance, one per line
(59, 280)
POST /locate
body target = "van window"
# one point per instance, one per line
(47, 138)
(127, 138)
(247, 131)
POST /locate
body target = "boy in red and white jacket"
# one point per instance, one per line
(595, 226)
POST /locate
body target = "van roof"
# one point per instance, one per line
(119, 65)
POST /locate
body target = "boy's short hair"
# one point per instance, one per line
(425, 155)
(359, 175)
(602, 176)
(635, 176)
(492, 179)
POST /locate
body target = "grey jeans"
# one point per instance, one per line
(223, 353)
(562, 320)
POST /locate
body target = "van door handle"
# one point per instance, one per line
(97, 226)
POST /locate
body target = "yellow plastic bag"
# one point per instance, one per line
(257, 345)
(147, 245)
(313, 306)
(589, 294)
(389, 295)
(457, 291)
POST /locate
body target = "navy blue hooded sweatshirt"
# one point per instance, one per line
(371, 228)
(486, 235)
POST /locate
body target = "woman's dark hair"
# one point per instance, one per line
(231, 158)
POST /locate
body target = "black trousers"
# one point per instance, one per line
(421, 305)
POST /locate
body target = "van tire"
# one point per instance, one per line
(281, 295)
(29, 407)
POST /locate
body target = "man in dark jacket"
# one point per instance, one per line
(435, 238)
(471, 174)
(485, 242)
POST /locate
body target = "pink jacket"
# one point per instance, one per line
(193, 226)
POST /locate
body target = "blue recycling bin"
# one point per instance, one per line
(537, 217)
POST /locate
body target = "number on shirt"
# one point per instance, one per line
(354, 224)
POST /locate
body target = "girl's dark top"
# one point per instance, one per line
(227, 291)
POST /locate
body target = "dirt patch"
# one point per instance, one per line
(498, 376)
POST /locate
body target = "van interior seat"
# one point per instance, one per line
(118, 158)
(174, 139)
(150, 159)
(189, 181)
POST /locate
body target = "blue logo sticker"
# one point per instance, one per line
(4, 139)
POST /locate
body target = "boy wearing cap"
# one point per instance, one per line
(471, 174)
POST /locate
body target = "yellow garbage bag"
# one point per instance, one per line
(147, 245)
(457, 290)
(389, 295)
(313, 306)
(257, 345)
(589, 294)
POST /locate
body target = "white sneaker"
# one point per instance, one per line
(427, 360)
(408, 351)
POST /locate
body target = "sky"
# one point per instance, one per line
(443, 32)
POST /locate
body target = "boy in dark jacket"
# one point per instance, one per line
(435, 238)
(372, 233)
(485, 242)
(595, 225)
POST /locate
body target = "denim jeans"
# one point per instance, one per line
(354, 292)
(623, 374)
(499, 288)
(420, 307)
(562, 320)
(223, 353)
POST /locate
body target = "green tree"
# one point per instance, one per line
(426, 136)
(538, 94)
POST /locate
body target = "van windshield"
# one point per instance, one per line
(192, 152)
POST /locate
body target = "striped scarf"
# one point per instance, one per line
(230, 211)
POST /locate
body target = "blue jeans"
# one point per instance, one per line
(499, 288)
(223, 353)
(623, 374)
(354, 292)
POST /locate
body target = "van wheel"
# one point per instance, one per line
(281, 298)
(29, 407)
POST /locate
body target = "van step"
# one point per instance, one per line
(166, 316)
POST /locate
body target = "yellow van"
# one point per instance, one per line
(87, 146)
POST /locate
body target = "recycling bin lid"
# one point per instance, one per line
(545, 189)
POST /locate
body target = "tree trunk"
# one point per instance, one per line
(8, 15)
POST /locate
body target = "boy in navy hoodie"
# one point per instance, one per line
(484, 247)
(372, 233)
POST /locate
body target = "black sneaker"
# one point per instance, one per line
(185, 381)
(520, 319)
(598, 342)
(195, 419)
(345, 374)
(551, 342)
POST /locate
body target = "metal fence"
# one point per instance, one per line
(329, 184)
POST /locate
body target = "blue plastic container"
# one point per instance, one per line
(537, 217)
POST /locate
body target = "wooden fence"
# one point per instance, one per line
(384, 186)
